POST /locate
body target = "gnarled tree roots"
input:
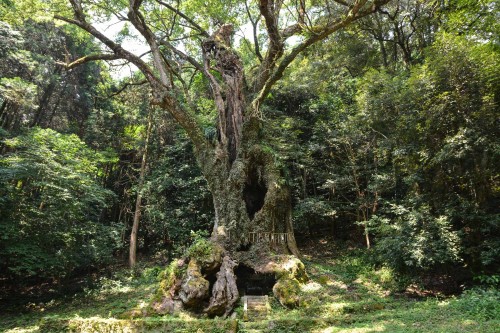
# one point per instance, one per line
(209, 283)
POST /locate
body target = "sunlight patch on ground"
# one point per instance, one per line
(443, 303)
(337, 284)
(28, 329)
(186, 316)
(333, 309)
(142, 304)
(373, 287)
(469, 322)
(333, 329)
(311, 287)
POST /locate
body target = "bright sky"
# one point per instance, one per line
(135, 44)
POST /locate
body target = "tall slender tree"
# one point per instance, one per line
(138, 200)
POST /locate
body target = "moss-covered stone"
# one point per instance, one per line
(163, 301)
(194, 288)
(294, 269)
(171, 275)
(287, 291)
(291, 274)
(207, 254)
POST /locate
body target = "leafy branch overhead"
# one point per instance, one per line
(172, 42)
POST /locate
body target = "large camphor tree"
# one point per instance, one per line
(193, 38)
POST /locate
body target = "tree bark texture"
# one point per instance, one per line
(248, 191)
(225, 290)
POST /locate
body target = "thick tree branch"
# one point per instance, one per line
(319, 34)
(137, 19)
(135, 4)
(216, 88)
(291, 30)
(270, 11)
(301, 22)
(183, 55)
(120, 52)
(89, 58)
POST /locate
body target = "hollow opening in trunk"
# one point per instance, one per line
(250, 282)
(254, 192)
(244, 247)
(211, 278)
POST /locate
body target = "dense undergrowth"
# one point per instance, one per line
(346, 293)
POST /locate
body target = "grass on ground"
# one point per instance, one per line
(345, 294)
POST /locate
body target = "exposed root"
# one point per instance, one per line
(225, 291)
(199, 287)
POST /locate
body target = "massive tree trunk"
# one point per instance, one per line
(251, 201)
(252, 229)
(249, 194)
(253, 225)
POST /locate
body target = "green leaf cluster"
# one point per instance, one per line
(51, 206)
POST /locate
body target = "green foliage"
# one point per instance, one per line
(178, 198)
(18, 91)
(34, 89)
(478, 20)
(168, 277)
(413, 238)
(490, 280)
(19, 11)
(310, 212)
(51, 207)
(483, 304)
(200, 249)
(151, 274)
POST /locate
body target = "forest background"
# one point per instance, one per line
(387, 134)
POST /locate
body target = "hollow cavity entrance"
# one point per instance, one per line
(250, 282)
(254, 192)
